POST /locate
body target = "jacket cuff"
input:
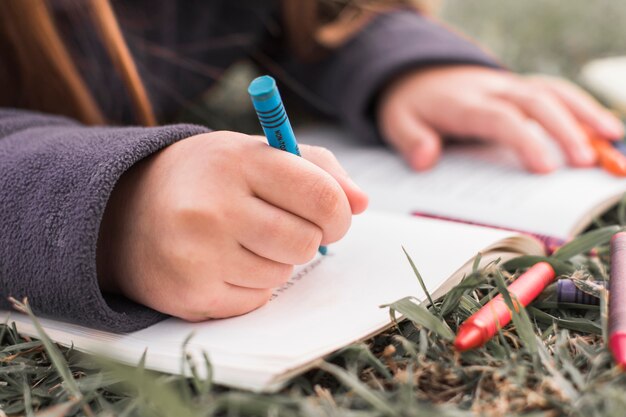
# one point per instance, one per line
(56, 177)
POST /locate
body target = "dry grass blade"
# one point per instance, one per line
(563, 384)
(361, 354)
(584, 243)
(58, 410)
(452, 299)
(523, 262)
(421, 281)
(57, 359)
(579, 324)
(419, 315)
(156, 396)
(360, 389)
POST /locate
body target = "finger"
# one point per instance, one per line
(293, 184)
(584, 107)
(502, 122)
(275, 234)
(417, 143)
(222, 301)
(326, 160)
(253, 271)
(557, 120)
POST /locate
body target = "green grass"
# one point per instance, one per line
(549, 36)
(552, 362)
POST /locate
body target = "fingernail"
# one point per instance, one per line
(420, 161)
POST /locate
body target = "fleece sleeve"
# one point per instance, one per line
(55, 179)
(346, 83)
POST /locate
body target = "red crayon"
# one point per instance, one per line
(494, 315)
(617, 299)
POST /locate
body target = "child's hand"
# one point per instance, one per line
(468, 101)
(208, 226)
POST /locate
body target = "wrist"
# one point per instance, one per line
(112, 256)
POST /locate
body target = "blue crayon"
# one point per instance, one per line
(273, 117)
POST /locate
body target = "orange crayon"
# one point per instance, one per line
(609, 158)
(494, 315)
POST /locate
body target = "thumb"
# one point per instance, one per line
(417, 142)
(326, 160)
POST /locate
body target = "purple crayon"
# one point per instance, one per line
(620, 145)
(568, 292)
(617, 299)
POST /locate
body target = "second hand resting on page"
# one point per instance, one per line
(417, 109)
(208, 226)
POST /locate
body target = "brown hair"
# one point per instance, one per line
(38, 73)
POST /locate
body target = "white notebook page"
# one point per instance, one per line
(483, 184)
(334, 303)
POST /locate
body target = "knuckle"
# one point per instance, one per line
(536, 98)
(491, 118)
(470, 105)
(502, 118)
(501, 115)
(322, 153)
(273, 274)
(229, 148)
(476, 113)
(327, 198)
(189, 214)
(272, 226)
(306, 246)
(487, 113)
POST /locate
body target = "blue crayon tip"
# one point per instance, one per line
(262, 88)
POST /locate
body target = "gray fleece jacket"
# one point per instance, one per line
(56, 174)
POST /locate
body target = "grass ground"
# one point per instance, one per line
(553, 362)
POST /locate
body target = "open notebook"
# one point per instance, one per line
(478, 184)
(334, 300)
(330, 302)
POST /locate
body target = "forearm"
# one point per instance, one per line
(56, 177)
